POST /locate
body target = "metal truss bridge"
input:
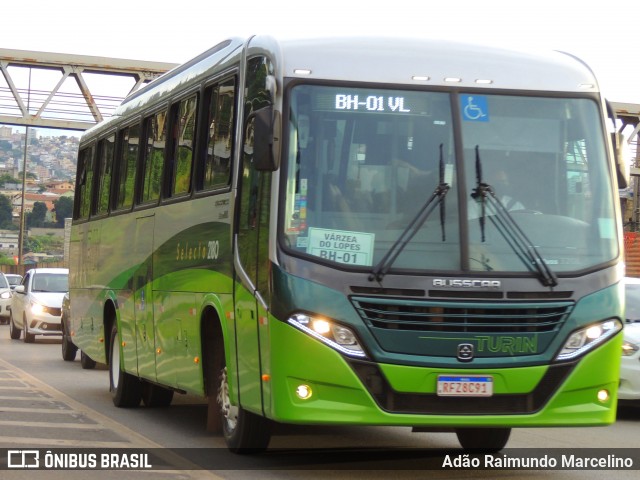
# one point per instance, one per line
(64, 91)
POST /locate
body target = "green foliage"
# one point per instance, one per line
(49, 243)
(63, 208)
(37, 216)
(31, 244)
(6, 213)
(6, 178)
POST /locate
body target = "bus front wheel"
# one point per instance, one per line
(483, 439)
(243, 431)
(126, 389)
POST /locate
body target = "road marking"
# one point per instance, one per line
(131, 439)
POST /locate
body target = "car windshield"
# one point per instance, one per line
(51, 282)
(632, 301)
(14, 279)
(3, 282)
(361, 163)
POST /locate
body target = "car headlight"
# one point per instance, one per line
(5, 294)
(331, 333)
(587, 338)
(629, 348)
(37, 309)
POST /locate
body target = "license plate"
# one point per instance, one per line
(465, 386)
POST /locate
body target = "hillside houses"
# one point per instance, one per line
(46, 194)
(51, 162)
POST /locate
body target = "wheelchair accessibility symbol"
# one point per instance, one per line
(475, 108)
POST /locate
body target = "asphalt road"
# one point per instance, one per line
(47, 403)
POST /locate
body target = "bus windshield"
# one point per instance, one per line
(362, 163)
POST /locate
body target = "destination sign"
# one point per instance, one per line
(371, 103)
(354, 248)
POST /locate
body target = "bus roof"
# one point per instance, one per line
(431, 62)
(392, 61)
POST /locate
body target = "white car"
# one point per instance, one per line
(36, 306)
(5, 299)
(14, 279)
(630, 366)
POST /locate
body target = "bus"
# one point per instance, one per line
(356, 231)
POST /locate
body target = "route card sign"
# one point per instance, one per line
(353, 248)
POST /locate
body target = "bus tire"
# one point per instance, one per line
(126, 389)
(483, 439)
(86, 361)
(14, 332)
(244, 432)
(69, 350)
(155, 395)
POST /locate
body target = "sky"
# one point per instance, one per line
(602, 34)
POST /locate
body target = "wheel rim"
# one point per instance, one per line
(228, 411)
(115, 363)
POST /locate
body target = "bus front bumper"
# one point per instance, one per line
(313, 384)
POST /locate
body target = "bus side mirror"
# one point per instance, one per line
(266, 139)
(621, 153)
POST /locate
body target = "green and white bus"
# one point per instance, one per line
(356, 231)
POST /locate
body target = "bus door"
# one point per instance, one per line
(251, 290)
(143, 297)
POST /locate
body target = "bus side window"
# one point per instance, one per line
(183, 140)
(106, 148)
(215, 170)
(154, 156)
(126, 166)
(84, 182)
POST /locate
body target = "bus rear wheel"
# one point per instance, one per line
(243, 431)
(483, 439)
(126, 389)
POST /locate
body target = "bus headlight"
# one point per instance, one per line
(587, 338)
(337, 336)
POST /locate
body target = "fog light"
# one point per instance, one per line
(304, 392)
(603, 395)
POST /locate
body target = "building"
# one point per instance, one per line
(9, 242)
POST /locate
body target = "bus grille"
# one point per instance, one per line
(471, 317)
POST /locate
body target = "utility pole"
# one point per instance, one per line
(21, 234)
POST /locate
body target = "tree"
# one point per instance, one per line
(6, 178)
(6, 212)
(38, 215)
(63, 207)
(31, 245)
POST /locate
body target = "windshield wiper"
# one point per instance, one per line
(509, 229)
(381, 269)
